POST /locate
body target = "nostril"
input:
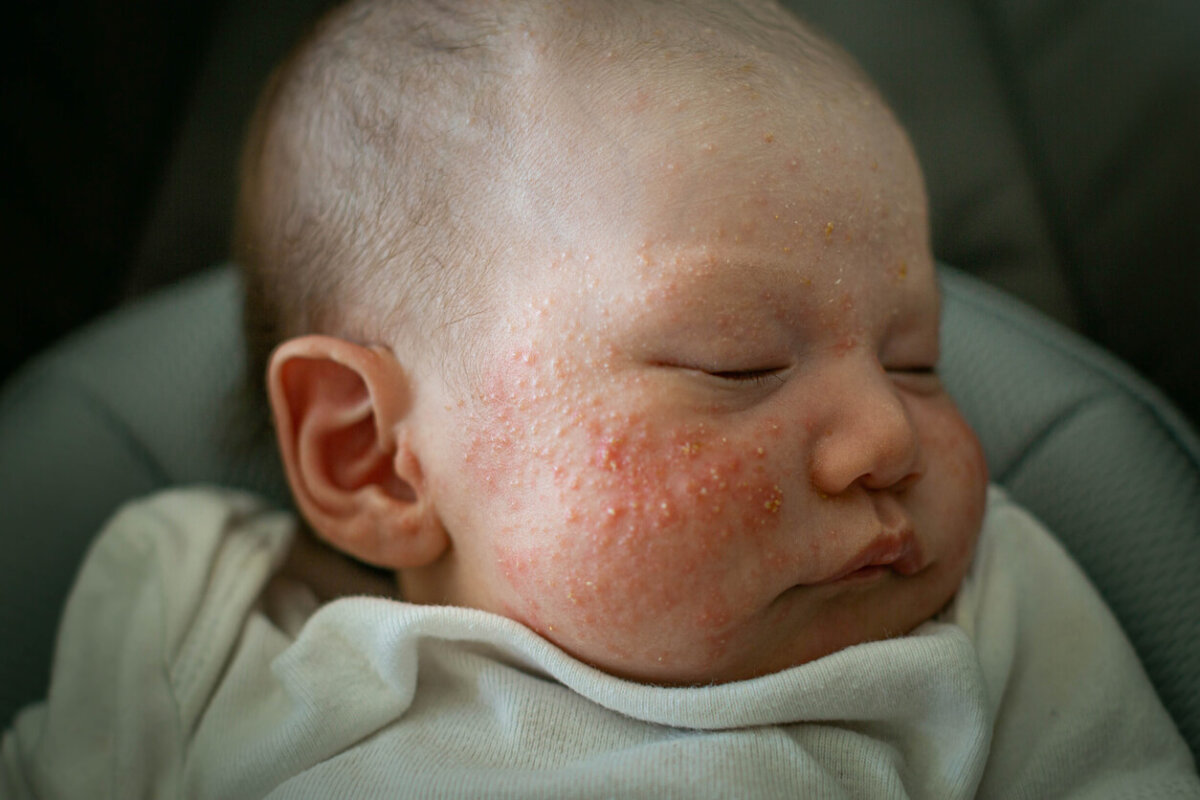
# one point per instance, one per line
(908, 481)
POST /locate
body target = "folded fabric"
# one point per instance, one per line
(187, 667)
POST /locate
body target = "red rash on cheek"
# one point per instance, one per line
(661, 477)
(620, 532)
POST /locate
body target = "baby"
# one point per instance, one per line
(636, 333)
(610, 330)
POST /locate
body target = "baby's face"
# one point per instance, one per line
(708, 442)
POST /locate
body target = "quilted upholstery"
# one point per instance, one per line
(1102, 458)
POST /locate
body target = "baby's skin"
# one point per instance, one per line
(704, 438)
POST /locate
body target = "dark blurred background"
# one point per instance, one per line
(93, 94)
(1059, 137)
(121, 122)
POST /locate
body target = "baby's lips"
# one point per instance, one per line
(897, 550)
(913, 560)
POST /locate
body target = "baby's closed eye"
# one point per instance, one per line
(756, 376)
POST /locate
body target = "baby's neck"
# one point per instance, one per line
(332, 574)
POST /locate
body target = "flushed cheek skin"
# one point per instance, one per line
(658, 548)
(622, 537)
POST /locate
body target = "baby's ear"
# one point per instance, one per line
(343, 415)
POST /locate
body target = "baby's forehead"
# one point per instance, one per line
(624, 49)
(592, 131)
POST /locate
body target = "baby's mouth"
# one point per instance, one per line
(890, 552)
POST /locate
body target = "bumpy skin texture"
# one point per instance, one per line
(706, 441)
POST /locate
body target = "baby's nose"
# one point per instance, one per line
(869, 438)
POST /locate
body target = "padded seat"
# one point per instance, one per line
(151, 396)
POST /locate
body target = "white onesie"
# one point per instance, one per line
(185, 670)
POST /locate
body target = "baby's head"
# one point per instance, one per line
(615, 318)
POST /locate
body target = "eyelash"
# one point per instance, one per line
(755, 377)
(772, 375)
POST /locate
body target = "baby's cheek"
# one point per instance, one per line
(654, 481)
(964, 459)
(516, 425)
(957, 479)
(647, 538)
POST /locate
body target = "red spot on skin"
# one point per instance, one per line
(845, 345)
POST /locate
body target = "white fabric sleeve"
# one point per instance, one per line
(154, 613)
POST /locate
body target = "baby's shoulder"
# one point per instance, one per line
(195, 517)
(209, 533)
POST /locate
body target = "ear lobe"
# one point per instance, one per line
(341, 412)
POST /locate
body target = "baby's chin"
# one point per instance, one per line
(790, 634)
(747, 667)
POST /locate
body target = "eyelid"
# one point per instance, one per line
(757, 377)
